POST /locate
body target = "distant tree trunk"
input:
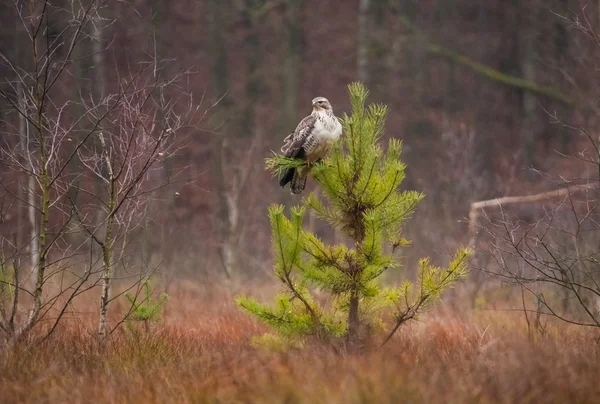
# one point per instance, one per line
(158, 11)
(399, 59)
(562, 55)
(234, 167)
(157, 36)
(362, 71)
(220, 78)
(98, 57)
(292, 70)
(230, 212)
(253, 60)
(483, 147)
(381, 49)
(527, 37)
(291, 73)
(80, 71)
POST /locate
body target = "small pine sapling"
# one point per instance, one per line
(360, 184)
(146, 310)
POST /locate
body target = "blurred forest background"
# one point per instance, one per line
(472, 87)
(133, 138)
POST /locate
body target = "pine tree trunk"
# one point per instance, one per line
(354, 325)
(353, 320)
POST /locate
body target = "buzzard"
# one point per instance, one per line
(311, 141)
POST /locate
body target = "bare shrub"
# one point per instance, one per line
(85, 166)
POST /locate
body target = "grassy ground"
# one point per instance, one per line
(201, 353)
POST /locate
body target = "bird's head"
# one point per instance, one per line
(320, 104)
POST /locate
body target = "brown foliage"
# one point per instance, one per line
(202, 353)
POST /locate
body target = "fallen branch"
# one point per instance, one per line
(498, 76)
(476, 207)
(487, 71)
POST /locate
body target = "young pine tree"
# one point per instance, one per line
(360, 183)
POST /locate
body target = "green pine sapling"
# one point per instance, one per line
(147, 309)
(360, 183)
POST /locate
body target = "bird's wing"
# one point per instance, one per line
(294, 142)
(287, 142)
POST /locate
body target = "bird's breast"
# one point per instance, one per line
(327, 128)
(326, 131)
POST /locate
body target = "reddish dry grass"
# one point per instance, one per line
(202, 353)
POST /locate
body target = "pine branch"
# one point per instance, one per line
(278, 164)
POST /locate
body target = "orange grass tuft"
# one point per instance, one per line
(201, 353)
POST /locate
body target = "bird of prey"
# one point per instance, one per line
(311, 141)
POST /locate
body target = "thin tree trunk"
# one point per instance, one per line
(530, 127)
(220, 78)
(98, 58)
(34, 247)
(293, 62)
(379, 57)
(230, 248)
(45, 186)
(31, 188)
(158, 35)
(253, 60)
(362, 73)
(223, 215)
(108, 243)
(98, 83)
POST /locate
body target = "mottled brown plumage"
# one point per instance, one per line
(311, 141)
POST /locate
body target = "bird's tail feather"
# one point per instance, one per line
(287, 176)
(298, 181)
